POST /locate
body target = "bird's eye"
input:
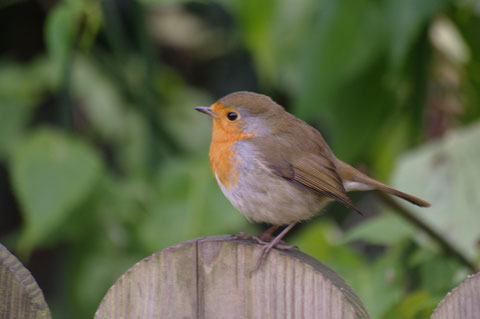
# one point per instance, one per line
(232, 116)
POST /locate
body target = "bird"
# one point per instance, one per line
(277, 169)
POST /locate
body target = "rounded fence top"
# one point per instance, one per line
(20, 296)
(211, 278)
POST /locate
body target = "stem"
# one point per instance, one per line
(407, 214)
(65, 97)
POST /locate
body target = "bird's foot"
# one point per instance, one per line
(267, 247)
(245, 236)
(275, 243)
(263, 240)
(268, 241)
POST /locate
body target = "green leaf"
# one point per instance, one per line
(63, 25)
(437, 274)
(461, 302)
(51, 174)
(191, 129)
(446, 174)
(406, 20)
(388, 143)
(384, 284)
(21, 88)
(381, 230)
(13, 117)
(60, 30)
(188, 204)
(323, 240)
(339, 51)
(342, 86)
(94, 272)
(100, 99)
(378, 284)
(415, 306)
(256, 20)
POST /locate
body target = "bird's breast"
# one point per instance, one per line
(260, 194)
(222, 160)
(223, 152)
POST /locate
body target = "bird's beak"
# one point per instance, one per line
(206, 110)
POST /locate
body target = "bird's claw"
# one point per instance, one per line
(245, 236)
(266, 249)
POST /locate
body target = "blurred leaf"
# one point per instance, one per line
(100, 98)
(25, 83)
(364, 104)
(51, 174)
(60, 31)
(437, 274)
(96, 268)
(13, 118)
(133, 148)
(461, 302)
(417, 305)
(190, 128)
(110, 116)
(339, 51)
(382, 230)
(389, 141)
(91, 23)
(378, 285)
(21, 88)
(342, 87)
(188, 204)
(406, 19)
(256, 20)
(321, 238)
(384, 284)
(446, 174)
(71, 21)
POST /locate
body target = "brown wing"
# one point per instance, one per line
(318, 174)
(299, 154)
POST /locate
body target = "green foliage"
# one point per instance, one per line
(51, 174)
(107, 161)
(446, 172)
(385, 230)
(63, 26)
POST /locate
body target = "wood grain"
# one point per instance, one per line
(211, 278)
(20, 296)
(463, 302)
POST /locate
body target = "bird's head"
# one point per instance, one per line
(243, 114)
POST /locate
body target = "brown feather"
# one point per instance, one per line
(319, 175)
(297, 152)
(349, 173)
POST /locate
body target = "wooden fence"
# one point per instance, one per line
(211, 278)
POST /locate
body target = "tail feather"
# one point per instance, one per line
(359, 181)
(382, 187)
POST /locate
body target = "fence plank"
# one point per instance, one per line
(20, 296)
(211, 278)
(463, 302)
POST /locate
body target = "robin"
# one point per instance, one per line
(276, 169)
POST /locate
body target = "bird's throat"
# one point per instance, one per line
(222, 153)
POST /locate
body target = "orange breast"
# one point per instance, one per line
(222, 153)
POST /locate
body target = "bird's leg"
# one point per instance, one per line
(275, 243)
(267, 236)
(263, 239)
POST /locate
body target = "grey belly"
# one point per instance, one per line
(263, 196)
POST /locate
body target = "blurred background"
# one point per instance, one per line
(103, 160)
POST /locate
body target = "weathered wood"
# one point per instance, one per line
(20, 296)
(211, 278)
(463, 302)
